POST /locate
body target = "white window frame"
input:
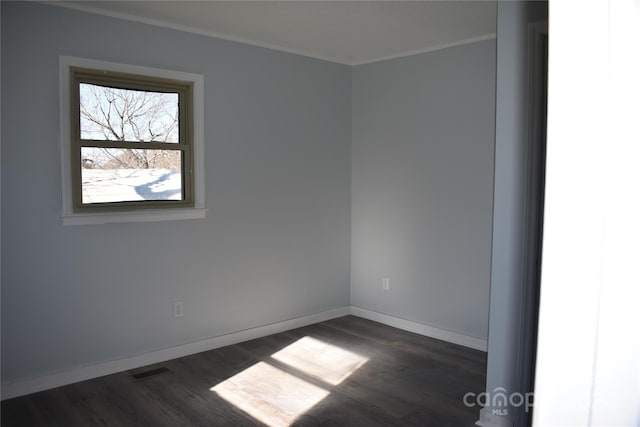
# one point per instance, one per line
(69, 217)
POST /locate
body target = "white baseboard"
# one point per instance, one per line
(422, 329)
(487, 419)
(82, 373)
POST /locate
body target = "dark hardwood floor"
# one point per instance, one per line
(344, 372)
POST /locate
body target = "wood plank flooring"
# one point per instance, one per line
(344, 372)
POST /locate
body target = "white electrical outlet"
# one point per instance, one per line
(386, 283)
(178, 309)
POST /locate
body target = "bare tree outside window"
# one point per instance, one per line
(113, 114)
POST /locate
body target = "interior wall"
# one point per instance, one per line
(422, 186)
(588, 354)
(274, 245)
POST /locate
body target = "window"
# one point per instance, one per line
(131, 143)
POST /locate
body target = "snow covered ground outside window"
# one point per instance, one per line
(127, 185)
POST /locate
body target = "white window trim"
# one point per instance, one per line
(71, 218)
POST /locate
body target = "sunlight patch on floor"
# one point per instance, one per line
(269, 394)
(320, 360)
(277, 398)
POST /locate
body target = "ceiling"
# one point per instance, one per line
(348, 32)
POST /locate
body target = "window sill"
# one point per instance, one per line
(133, 216)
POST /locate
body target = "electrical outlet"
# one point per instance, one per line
(385, 283)
(178, 309)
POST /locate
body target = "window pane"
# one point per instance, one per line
(113, 114)
(118, 175)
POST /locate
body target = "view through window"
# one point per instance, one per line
(132, 146)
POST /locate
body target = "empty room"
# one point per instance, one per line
(348, 178)
(271, 213)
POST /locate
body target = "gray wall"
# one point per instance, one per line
(422, 182)
(509, 193)
(274, 245)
